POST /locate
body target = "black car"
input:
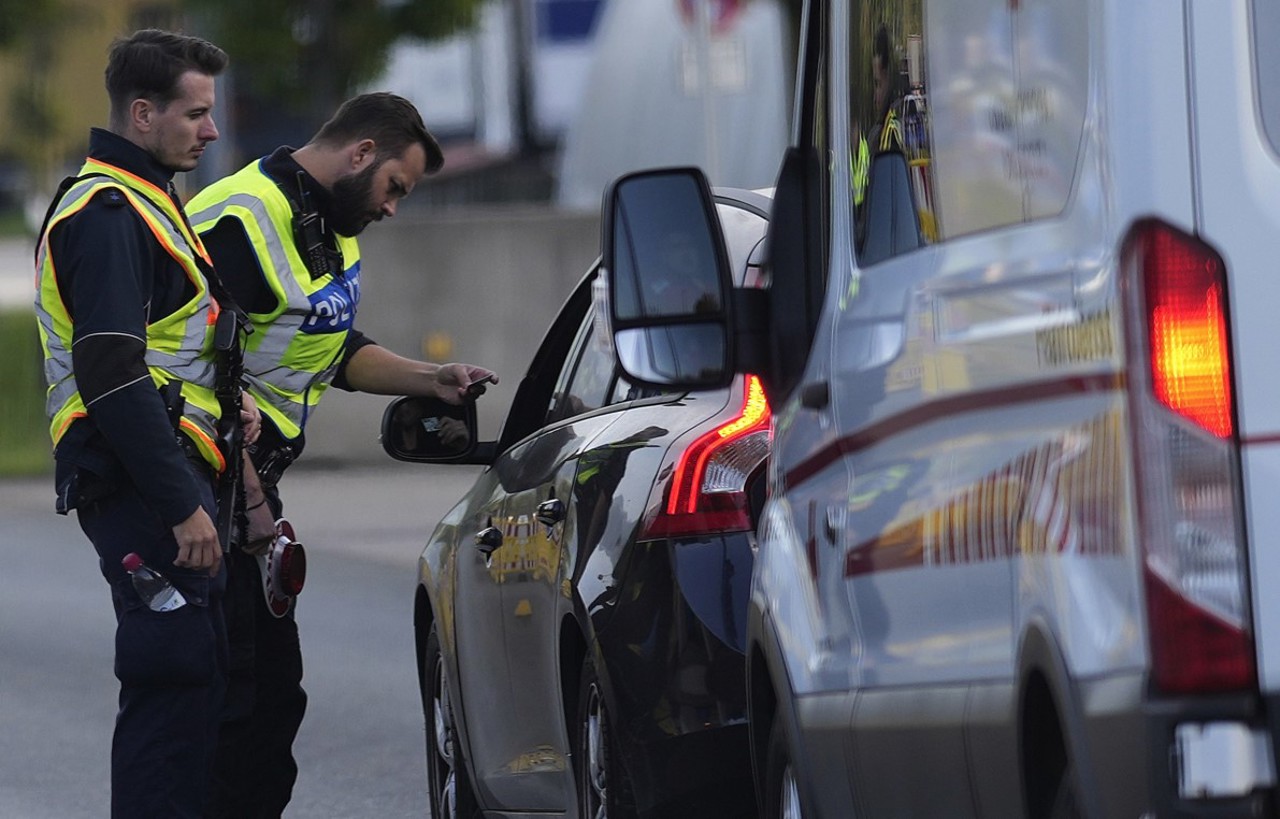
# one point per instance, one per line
(580, 613)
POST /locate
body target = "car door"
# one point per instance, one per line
(519, 741)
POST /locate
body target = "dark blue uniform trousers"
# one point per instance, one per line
(172, 666)
(254, 770)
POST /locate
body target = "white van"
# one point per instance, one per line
(1018, 553)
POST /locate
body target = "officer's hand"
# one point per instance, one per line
(453, 434)
(456, 383)
(198, 546)
(250, 418)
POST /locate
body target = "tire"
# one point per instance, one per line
(448, 791)
(781, 789)
(603, 788)
(1066, 802)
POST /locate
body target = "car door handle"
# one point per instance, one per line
(550, 512)
(488, 539)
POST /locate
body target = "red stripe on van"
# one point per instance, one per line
(943, 408)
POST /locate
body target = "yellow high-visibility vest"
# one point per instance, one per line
(179, 346)
(294, 351)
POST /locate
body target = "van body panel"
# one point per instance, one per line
(1144, 114)
(1238, 182)
(895, 737)
(1238, 178)
(979, 401)
(1260, 464)
(991, 522)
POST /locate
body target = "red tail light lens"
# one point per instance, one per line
(707, 490)
(1186, 300)
(1192, 649)
(1189, 495)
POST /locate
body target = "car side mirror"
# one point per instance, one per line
(669, 283)
(429, 430)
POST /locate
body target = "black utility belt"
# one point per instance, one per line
(193, 454)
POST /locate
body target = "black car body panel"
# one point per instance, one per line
(548, 561)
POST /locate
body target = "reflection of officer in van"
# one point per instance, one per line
(886, 135)
(886, 132)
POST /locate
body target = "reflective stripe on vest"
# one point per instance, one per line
(294, 351)
(178, 346)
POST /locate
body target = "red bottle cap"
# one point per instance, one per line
(131, 562)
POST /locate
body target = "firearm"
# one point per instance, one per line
(231, 327)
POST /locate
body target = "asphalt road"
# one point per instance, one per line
(360, 750)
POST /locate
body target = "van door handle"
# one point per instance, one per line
(815, 395)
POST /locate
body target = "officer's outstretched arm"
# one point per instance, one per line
(377, 370)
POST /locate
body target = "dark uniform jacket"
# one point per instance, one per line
(114, 277)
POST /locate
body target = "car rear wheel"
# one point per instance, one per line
(1066, 804)
(782, 792)
(604, 791)
(447, 787)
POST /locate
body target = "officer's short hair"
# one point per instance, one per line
(391, 121)
(147, 65)
(882, 50)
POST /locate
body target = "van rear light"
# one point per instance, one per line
(707, 491)
(1187, 326)
(1188, 486)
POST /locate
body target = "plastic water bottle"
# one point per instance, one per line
(154, 589)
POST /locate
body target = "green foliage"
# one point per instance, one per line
(18, 17)
(24, 430)
(310, 54)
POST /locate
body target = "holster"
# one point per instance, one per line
(272, 463)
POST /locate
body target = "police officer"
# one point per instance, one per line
(125, 314)
(282, 234)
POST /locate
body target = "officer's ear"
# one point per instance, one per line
(142, 112)
(362, 153)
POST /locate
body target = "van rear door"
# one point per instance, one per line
(1235, 83)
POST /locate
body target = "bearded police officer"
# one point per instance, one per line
(126, 322)
(282, 233)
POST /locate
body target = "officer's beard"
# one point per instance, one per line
(352, 195)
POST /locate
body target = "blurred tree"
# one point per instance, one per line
(21, 17)
(27, 32)
(308, 55)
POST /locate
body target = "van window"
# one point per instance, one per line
(889, 110)
(985, 100)
(1266, 28)
(1052, 100)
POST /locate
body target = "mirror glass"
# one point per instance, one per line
(428, 428)
(686, 354)
(665, 260)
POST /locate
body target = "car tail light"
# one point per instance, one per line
(707, 490)
(1188, 484)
